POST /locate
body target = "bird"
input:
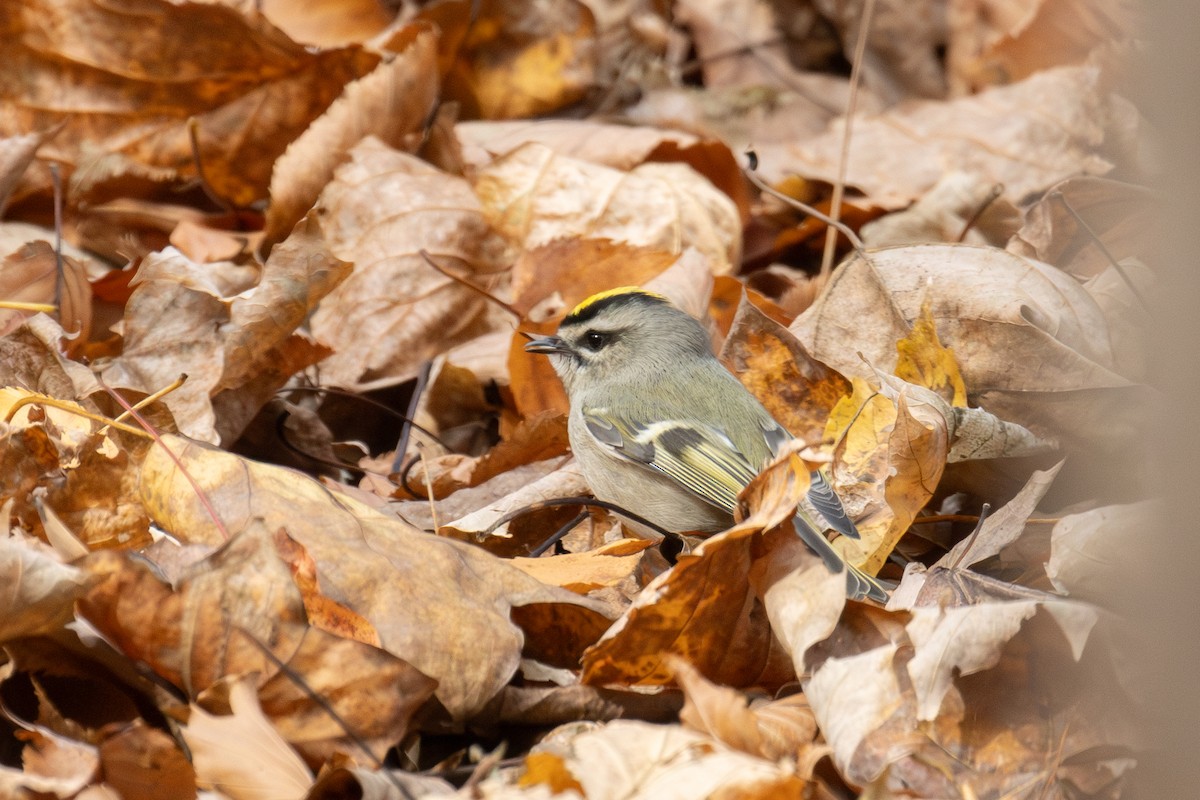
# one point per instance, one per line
(660, 427)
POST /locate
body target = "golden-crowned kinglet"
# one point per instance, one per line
(662, 429)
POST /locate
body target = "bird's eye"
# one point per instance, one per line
(594, 340)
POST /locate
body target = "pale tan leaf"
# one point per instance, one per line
(395, 311)
(969, 639)
(390, 103)
(532, 195)
(242, 755)
(1027, 137)
(639, 761)
(38, 591)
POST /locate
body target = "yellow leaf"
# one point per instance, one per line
(923, 359)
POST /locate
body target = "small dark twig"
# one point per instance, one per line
(805, 208)
(558, 535)
(467, 284)
(993, 196)
(328, 708)
(983, 515)
(579, 501)
(1060, 197)
(413, 403)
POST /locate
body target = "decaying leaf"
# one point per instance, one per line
(527, 196)
(395, 577)
(395, 310)
(1026, 137)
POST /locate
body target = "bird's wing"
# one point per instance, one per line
(825, 500)
(700, 458)
(821, 494)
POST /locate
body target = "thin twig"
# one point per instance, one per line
(839, 188)
(35, 398)
(18, 305)
(993, 196)
(1100, 244)
(762, 185)
(154, 398)
(579, 501)
(328, 708)
(983, 515)
(413, 403)
(363, 399)
(467, 284)
(200, 494)
(60, 277)
(558, 535)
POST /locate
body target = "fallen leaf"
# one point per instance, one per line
(250, 89)
(1003, 526)
(392, 575)
(528, 196)
(515, 59)
(1001, 42)
(241, 754)
(39, 590)
(639, 761)
(227, 340)
(797, 390)
(390, 103)
(772, 730)
(395, 311)
(1027, 137)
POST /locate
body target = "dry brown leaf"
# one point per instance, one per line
(216, 623)
(1092, 550)
(1121, 215)
(395, 311)
(960, 207)
(30, 274)
(140, 761)
(39, 591)
(1033, 345)
(750, 54)
(392, 575)
(951, 642)
(902, 58)
(250, 89)
(576, 267)
(324, 23)
(1027, 137)
(1003, 526)
(772, 730)
(506, 60)
(231, 340)
(582, 572)
(16, 154)
(1000, 41)
(640, 761)
(58, 759)
(390, 103)
(533, 196)
(798, 390)
(852, 697)
(241, 754)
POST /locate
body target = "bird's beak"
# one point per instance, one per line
(547, 345)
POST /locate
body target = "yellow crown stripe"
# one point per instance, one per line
(598, 296)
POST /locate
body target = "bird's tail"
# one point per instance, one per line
(858, 583)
